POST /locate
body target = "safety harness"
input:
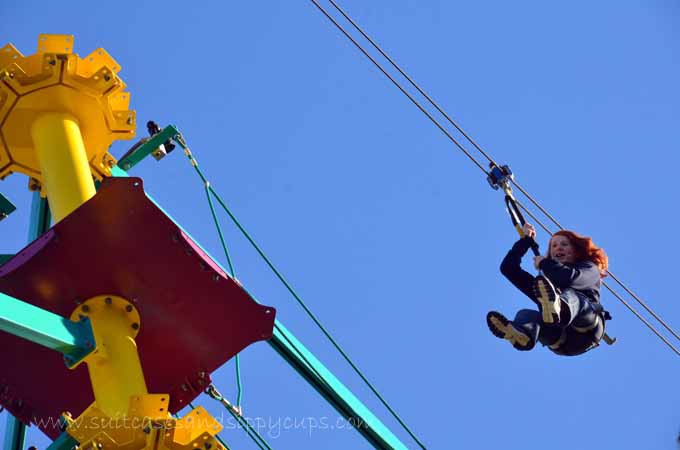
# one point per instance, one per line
(500, 178)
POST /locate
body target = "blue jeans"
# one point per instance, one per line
(581, 315)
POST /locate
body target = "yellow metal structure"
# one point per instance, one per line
(147, 425)
(114, 366)
(62, 156)
(59, 114)
(55, 80)
(124, 415)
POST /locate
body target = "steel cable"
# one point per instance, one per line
(474, 143)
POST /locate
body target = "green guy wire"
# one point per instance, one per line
(194, 163)
(237, 359)
(206, 184)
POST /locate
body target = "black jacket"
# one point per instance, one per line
(583, 277)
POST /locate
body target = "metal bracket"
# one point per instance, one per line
(158, 145)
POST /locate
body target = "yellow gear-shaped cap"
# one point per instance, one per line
(56, 80)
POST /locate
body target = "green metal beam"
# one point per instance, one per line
(40, 217)
(316, 374)
(136, 155)
(63, 442)
(336, 393)
(74, 339)
(6, 207)
(39, 223)
(15, 436)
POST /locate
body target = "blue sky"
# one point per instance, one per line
(389, 234)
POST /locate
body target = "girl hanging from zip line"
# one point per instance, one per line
(570, 319)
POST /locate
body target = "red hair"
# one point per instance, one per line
(585, 250)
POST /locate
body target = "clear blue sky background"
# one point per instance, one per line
(384, 228)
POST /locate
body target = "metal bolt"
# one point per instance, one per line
(85, 308)
(147, 430)
(135, 326)
(53, 62)
(208, 446)
(128, 308)
(216, 277)
(107, 78)
(108, 300)
(100, 446)
(184, 388)
(201, 374)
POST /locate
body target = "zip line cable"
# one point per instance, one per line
(414, 101)
(290, 289)
(472, 141)
(410, 80)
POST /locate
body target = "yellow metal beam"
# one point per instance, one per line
(114, 366)
(63, 162)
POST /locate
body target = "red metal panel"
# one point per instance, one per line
(194, 316)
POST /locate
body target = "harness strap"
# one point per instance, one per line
(590, 327)
(517, 218)
(560, 341)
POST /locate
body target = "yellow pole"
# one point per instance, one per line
(63, 162)
(115, 369)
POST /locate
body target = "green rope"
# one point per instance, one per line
(194, 163)
(219, 229)
(237, 359)
(206, 184)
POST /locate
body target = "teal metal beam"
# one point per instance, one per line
(6, 207)
(316, 374)
(74, 339)
(63, 442)
(336, 393)
(39, 223)
(40, 217)
(15, 436)
(137, 154)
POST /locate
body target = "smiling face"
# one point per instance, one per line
(561, 250)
